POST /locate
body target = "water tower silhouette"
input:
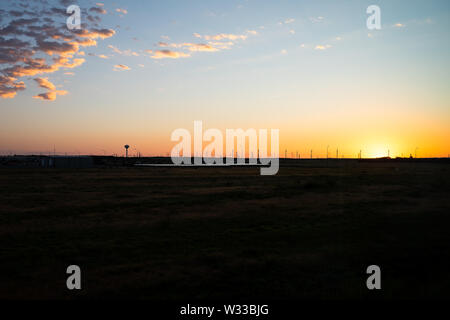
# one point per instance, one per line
(126, 149)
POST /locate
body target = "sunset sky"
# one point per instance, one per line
(137, 70)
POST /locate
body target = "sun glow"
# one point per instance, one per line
(377, 151)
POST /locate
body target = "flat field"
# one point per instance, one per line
(226, 233)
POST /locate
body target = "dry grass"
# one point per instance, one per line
(218, 233)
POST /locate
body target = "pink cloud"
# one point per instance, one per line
(39, 45)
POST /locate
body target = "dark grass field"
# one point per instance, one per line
(190, 234)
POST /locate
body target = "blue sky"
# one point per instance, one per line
(310, 68)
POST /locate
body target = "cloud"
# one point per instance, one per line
(287, 21)
(211, 43)
(322, 47)
(98, 10)
(128, 52)
(103, 56)
(86, 42)
(53, 47)
(228, 36)
(123, 11)
(222, 45)
(163, 54)
(95, 33)
(317, 19)
(252, 32)
(44, 83)
(38, 42)
(189, 46)
(114, 49)
(9, 86)
(165, 44)
(51, 93)
(121, 67)
(201, 47)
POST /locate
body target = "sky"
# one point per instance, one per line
(138, 70)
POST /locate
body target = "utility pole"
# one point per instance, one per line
(311, 153)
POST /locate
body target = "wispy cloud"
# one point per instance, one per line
(318, 19)
(9, 86)
(127, 52)
(44, 83)
(223, 36)
(122, 11)
(163, 54)
(287, 21)
(121, 67)
(98, 10)
(322, 47)
(201, 47)
(189, 46)
(211, 43)
(51, 93)
(291, 20)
